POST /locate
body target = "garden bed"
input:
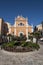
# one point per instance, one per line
(20, 46)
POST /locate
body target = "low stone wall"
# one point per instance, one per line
(18, 49)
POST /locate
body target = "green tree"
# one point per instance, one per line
(35, 29)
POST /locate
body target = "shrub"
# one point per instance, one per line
(10, 44)
(30, 37)
(21, 38)
(24, 44)
(30, 45)
(33, 45)
(17, 43)
(36, 46)
(3, 46)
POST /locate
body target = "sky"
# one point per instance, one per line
(33, 9)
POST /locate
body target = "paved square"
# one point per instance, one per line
(27, 58)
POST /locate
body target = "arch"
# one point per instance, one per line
(20, 33)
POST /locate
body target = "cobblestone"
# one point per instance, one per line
(27, 58)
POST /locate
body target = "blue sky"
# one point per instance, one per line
(33, 9)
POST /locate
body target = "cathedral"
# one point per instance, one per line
(20, 27)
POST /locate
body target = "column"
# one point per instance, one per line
(15, 28)
(27, 29)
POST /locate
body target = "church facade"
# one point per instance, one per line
(20, 27)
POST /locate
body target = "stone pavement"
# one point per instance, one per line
(27, 58)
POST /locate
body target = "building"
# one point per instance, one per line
(9, 28)
(39, 27)
(3, 27)
(20, 27)
(3, 30)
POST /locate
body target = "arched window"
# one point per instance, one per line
(21, 24)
